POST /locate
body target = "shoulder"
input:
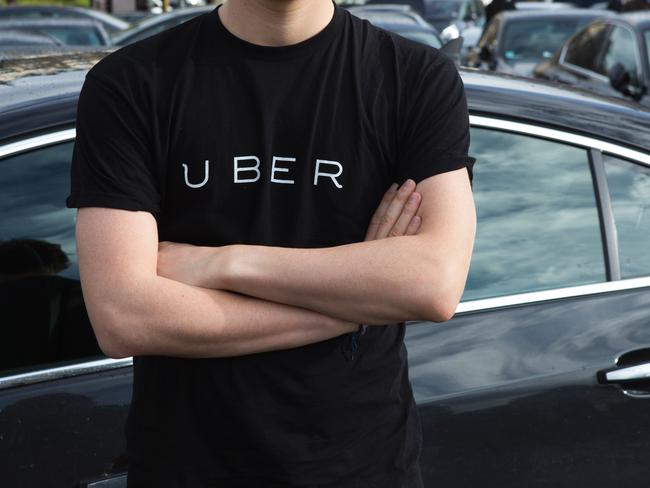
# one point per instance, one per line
(410, 58)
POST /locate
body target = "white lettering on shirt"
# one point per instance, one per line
(275, 169)
(206, 175)
(255, 168)
(317, 173)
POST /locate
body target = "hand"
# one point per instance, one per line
(396, 214)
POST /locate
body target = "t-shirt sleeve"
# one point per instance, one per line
(434, 136)
(112, 158)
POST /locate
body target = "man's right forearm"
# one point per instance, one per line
(159, 316)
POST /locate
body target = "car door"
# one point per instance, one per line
(590, 56)
(541, 377)
(62, 402)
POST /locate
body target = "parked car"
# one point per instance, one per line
(539, 380)
(449, 17)
(610, 56)
(110, 23)
(516, 41)
(19, 37)
(71, 32)
(154, 24)
(402, 21)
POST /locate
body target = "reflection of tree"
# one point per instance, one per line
(44, 318)
(39, 64)
(640, 192)
(28, 257)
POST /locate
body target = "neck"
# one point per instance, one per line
(275, 22)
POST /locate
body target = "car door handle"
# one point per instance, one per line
(630, 373)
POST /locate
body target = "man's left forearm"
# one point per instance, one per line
(375, 282)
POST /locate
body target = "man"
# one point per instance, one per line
(229, 170)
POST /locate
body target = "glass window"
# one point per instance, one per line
(621, 48)
(43, 319)
(537, 39)
(444, 8)
(629, 188)
(583, 50)
(537, 220)
(75, 36)
(420, 36)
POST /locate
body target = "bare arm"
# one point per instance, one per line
(134, 311)
(381, 281)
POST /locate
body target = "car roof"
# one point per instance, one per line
(12, 22)
(640, 18)
(151, 20)
(7, 12)
(30, 84)
(508, 15)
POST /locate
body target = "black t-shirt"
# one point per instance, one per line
(225, 142)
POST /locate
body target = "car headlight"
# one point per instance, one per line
(450, 32)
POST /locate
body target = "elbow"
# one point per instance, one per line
(435, 309)
(438, 298)
(115, 334)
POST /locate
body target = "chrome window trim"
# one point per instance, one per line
(61, 372)
(464, 307)
(553, 294)
(561, 136)
(37, 141)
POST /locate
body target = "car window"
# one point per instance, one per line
(44, 320)
(629, 189)
(421, 36)
(536, 39)
(537, 220)
(444, 8)
(584, 49)
(75, 36)
(621, 48)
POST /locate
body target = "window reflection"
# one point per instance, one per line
(537, 220)
(44, 318)
(629, 188)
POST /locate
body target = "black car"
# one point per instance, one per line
(69, 32)
(450, 17)
(516, 41)
(400, 19)
(111, 24)
(153, 24)
(541, 379)
(610, 56)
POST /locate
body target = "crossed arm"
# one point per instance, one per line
(174, 299)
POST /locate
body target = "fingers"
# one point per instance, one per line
(376, 219)
(407, 215)
(413, 226)
(395, 209)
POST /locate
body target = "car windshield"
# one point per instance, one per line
(444, 8)
(646, 34)
(536, 39)
(423, 37)
(75, 36)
